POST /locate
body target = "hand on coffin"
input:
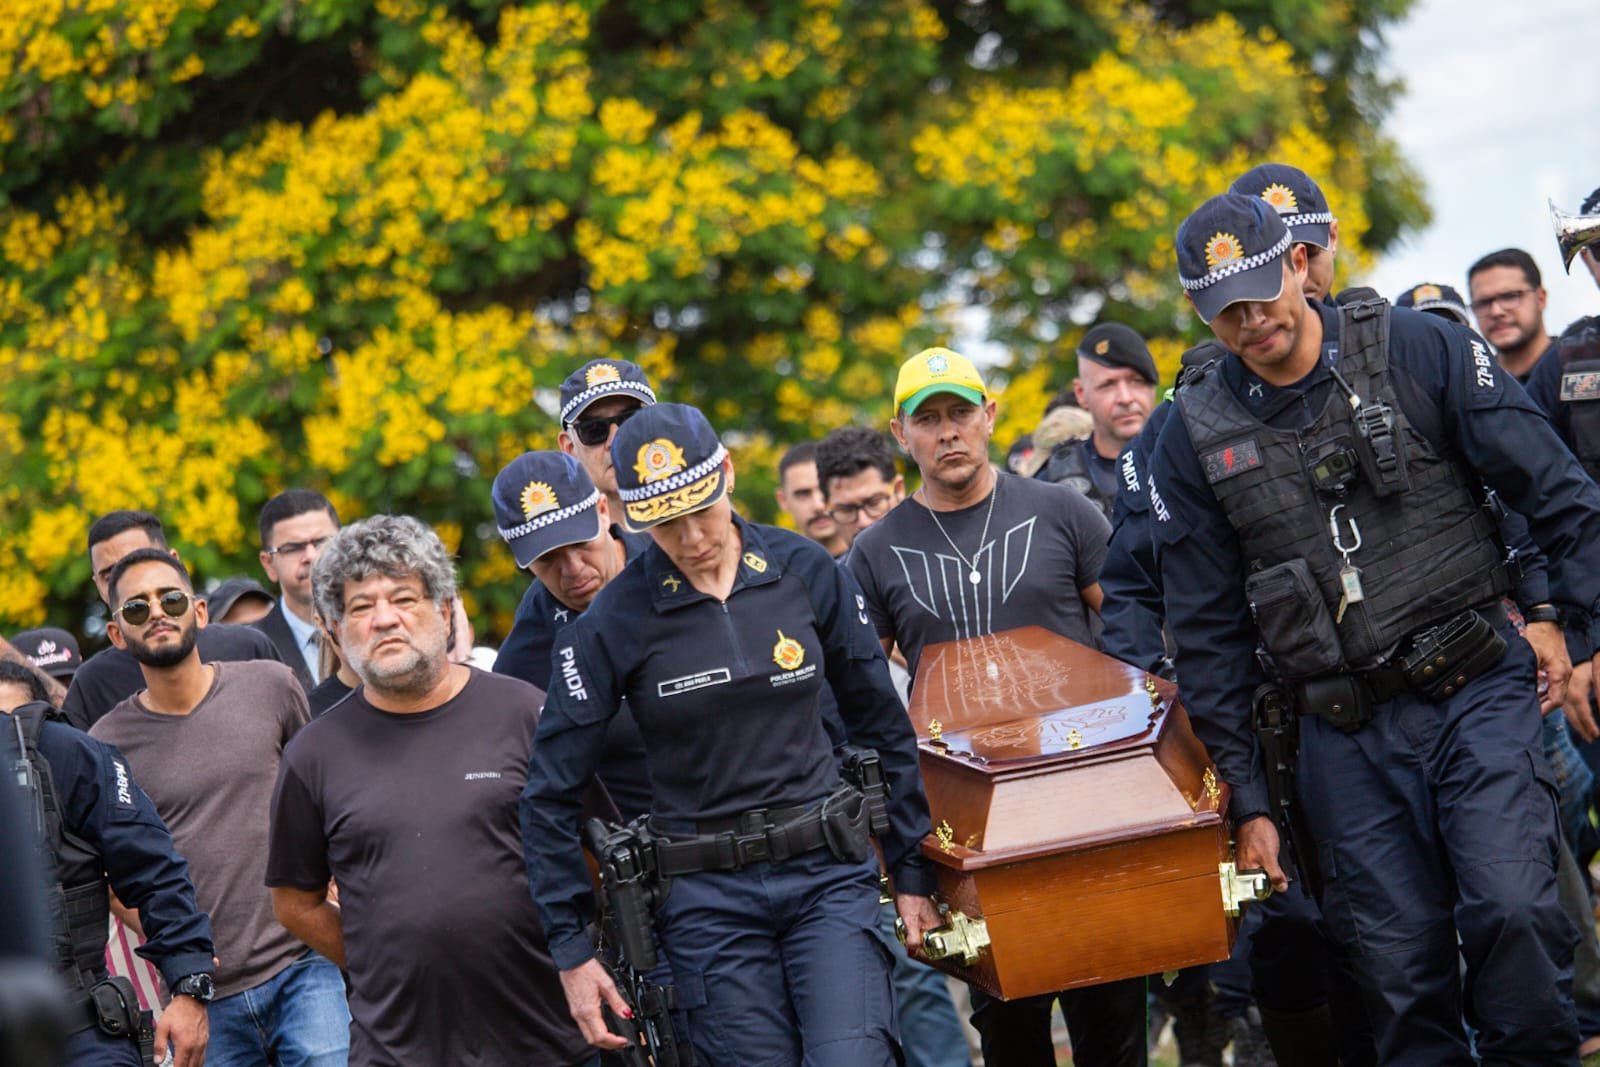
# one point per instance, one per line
(1256, 847)
(919, 914)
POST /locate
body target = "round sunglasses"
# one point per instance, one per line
(136, 612)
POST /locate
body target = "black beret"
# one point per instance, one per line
(1112, 344)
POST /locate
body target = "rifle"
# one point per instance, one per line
(631, 889)
(1272, 710)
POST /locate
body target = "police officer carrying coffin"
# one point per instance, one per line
(720, 636)
(101, 828)
(1327, 510)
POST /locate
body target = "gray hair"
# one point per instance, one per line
(396, 546)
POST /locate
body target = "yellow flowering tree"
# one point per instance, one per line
(356, 246)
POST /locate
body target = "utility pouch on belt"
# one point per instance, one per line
(117, 1014)
(1294, 622)
(1345, 700)
(844, 825)
(1444, 658)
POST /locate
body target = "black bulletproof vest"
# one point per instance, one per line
(79, 902)
(1068, 467)
(1580, 392)
(1427, 552)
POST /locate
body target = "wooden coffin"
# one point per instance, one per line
(1078, 822)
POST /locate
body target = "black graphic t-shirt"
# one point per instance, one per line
(1045, 542)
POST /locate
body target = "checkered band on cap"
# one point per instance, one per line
(1310, 218)
(1238, 266)
(539, 522)
(611, 388)
(676, 481)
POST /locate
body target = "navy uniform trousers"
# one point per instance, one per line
(1436, 820)
(782, 964)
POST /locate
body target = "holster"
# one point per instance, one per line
(1345, 700)
(846, 825)
(117, 1014)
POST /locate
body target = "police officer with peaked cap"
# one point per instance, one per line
(1326, 509)
(721, 636)
(1118, 394)
(1301, 204)
(1436, 299)
(560, 529)
(101, 828)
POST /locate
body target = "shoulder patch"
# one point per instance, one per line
(1225, 462)
(1483, 366)
(1580, 385)
(1130, 471)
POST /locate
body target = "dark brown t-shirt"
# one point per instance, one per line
(211, 774)
(415, 817)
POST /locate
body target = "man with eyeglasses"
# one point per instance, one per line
(112, 675)
(294, 526)
(204, 740)
(1508, 298)
(859, 482)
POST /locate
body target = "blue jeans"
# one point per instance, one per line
(1574, 779)
(297, 1018)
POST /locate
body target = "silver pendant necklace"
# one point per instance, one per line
(972, 567)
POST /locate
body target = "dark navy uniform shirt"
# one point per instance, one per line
(526, 654)
(1456, 396)
(1131, 614)
(102, 805)
(727, 695)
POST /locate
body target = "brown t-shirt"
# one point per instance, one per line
(211, 774)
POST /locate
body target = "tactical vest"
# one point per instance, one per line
(1428, 548)
(79, 902)
(1580, 392)
(1067, 466)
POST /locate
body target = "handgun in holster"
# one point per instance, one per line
(862, 768)
(1278, 731)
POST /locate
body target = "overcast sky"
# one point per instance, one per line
(1501, 113)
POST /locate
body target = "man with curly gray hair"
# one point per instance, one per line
(406, 795)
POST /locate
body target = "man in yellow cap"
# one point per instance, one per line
(975, 551)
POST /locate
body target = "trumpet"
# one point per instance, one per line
(1573, 233)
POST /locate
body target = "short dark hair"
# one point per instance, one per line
(144, 555)
(848, 451)
(1066, 398)
(113, 523)
(12, 671)
(1508, 257)
(288, 504)
(804, 452)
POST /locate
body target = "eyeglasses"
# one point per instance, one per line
(136, 612)
(875, 507)
(291, 549)
(1508, 300)
(594, 432)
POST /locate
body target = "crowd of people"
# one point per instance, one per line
(337, 839)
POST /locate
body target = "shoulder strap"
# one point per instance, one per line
(1364, 340)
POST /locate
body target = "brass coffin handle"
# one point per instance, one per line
(1242, 887)
(959, 938)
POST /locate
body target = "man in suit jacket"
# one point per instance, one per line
(294, 526)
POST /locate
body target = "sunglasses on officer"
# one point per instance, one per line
(595, 431)
(136, 610)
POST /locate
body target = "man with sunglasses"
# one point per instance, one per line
(204, 740)
(112, 675)
(294, 526)
(858, 477)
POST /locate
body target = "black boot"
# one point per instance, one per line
(1301, 1038)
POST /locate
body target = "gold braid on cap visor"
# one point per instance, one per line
(672, 496)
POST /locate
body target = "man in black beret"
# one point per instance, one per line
(1116, 385)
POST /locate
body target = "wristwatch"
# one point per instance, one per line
(199, 986)
(1542, 613)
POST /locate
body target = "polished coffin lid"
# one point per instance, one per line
(1033, 744)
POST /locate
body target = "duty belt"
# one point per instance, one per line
(764, 834)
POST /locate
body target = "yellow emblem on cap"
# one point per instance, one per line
(1222, 249)
(1281, 197)
(538, 498)
(601, 372)
(658, 459)
(1424, 293)
(755, 563)
(1102, 347)
(788, 653)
